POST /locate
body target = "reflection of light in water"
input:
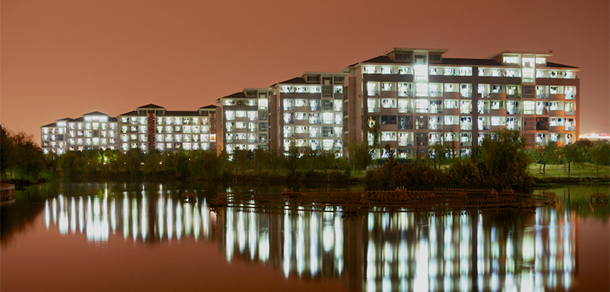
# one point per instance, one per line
(72, 215)
(387, 284)
(287, 244)
(125, 216)
(178, 221)
(264, 247)
(134, 218)
(230, 235)
(338, 243)
(187, 218)
(398, 256)
(327, 238)
(170, 221)
(252, 228)
(54, 208)
(421, 272)
(144, 216)
(160, 216)
(300, 245)
(113, 215)
(241, 232)
(196, 221)
(63, 222)
(313, 241)
(47, 214)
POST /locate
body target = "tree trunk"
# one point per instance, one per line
(544, 170)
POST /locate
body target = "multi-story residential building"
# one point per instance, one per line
(410, 99)
(307, 111)
(92, 131)
(243, 120)
(153, 127)
(402, 102)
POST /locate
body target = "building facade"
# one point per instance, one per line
(410, 99)
(243, 119)
(401, 102)
(92, 131)
(153, 127)
(307, 112)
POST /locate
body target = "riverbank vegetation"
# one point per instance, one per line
(501, 161)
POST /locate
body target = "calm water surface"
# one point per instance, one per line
(123, 237)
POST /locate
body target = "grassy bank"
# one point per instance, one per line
(580, 173)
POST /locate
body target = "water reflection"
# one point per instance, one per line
(144, 217)
(382, 250)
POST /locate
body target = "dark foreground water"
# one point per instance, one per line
(142, 237)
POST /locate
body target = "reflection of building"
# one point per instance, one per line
(149, 217)
(376, 251)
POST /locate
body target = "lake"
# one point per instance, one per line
(143, 236)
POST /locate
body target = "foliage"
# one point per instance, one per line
(21, 157)
(573, 154)
(395, 174)
(360, 156)
(600, 153)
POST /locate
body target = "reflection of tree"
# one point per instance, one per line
(19, 215)
(578, 199)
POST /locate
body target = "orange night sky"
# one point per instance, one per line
(65, 58)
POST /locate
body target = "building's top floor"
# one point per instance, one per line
(249, 97)
(329, 84)
(315, 78)
(93, 117)
(157, 110)
(434, 57)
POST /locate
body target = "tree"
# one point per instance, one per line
(546, 154)
(28, 162)
(134, 161)
(359, 155)
(6, 147)
(504, 160)
(438, 154)
(572, 153)
(600, 153)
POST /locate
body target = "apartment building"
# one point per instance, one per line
(92, 131)
(401, 102)
(154, 127)
(243, 120)
(410, 99)
(307, 111)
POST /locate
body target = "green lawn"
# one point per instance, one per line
(560, 170)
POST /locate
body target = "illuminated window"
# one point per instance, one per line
(421, 89)
(510, 59)
(451, 87)
(230, 115)
(466, 90)
(314, 118)
(405, 89)
(404, 106)
(288, 104)
(421, 105)
(451, 120)
(327, 118)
